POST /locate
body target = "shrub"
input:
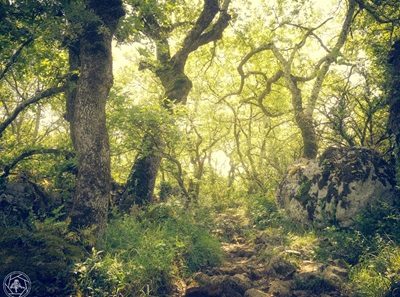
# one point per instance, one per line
(345, 244)
(263, 212)
(382, 219)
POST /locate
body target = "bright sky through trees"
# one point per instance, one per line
(128, 55)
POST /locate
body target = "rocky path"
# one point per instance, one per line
(262, 267)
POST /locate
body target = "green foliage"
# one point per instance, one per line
(165, 13)
(377, 274)
(347, 244)
(165, 191)
(105, 275)
(53, 222)
(263, 212)
(383, 219)
(226, 112)
(143, 255)
(303, 195)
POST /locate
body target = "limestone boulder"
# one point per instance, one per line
(334, 188)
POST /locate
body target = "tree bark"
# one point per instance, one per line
(70, 94)
(87, 115)
(394, 100)
(304, 121)
(142, 178)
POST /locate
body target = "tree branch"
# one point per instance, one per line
(25, 104)
(24, 155)
(310, 32)
(197, 36)
(331, 57)
(373, 11)
(14, 57)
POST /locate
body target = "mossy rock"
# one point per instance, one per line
(46, 258)
(336, 188)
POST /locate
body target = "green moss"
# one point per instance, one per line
(46, 258)
(332, 193)
(303, 195)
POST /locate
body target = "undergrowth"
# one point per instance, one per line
(370, 248)
(148, 254)
(378, 274)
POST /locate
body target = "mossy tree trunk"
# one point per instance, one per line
(87, 115)
(394, 101)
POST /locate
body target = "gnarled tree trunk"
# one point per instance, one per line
(303, 112)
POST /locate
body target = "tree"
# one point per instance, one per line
(394, 98)
(91, 49)
(154, 23)
(293, 76)
(279, 99)
(22, 29)
(32, 80)
(386, 21)
(355, 109)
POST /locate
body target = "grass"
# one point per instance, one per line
(148, 253)
(378, 274)
(145, 255)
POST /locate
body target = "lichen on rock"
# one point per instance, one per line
(336, 187)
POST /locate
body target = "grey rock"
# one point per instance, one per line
(255, 293)
(336, 187)
(281, 288)
(279, 267)
(335, 274)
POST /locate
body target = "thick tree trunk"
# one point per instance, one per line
(88, 117)
(394, 101)
(70, 94)
(304, 121)
(309, 135)
(142, 178)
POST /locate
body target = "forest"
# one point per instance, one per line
(199, 148)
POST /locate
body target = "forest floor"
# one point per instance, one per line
(270, 262)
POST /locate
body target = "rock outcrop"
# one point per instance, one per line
(19, 200)
(335, 188)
